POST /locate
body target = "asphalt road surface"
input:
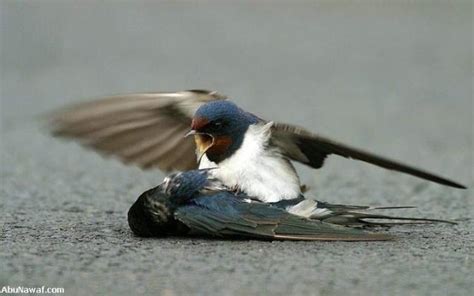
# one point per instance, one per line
(392, 78)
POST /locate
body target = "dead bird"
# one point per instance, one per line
(196, 203)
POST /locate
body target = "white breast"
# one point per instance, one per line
(256, 170)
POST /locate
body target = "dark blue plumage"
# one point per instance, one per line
(193, 203)
(226, 110)
(183, 186)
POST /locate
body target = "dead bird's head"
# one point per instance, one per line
(153, 212)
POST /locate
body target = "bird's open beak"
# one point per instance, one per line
(190, 133)
(203, 142)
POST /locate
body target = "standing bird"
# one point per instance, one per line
(248, 154)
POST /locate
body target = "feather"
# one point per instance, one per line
(145, 129)
(311, 149)
(224, 215)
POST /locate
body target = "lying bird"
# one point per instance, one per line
(191, 203)
(196, 203)
(251, 155)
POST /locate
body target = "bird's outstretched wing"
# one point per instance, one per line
(145, 129)
(223, 215)
(311, 149)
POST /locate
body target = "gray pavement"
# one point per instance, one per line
(392, 78)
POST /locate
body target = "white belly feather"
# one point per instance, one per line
(261, 173)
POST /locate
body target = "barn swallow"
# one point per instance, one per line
(196, 203)
(249, 154)
(191, 203)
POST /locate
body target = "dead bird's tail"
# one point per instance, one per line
(355, 215)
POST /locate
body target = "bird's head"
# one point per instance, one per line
(152, 214)
(219, 128)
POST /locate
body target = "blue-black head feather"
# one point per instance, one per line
(183, 186)
(153, 212)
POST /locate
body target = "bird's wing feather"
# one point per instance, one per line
(145, 129)
(311, 149)
(223, 215)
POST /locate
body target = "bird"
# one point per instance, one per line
(194, 203)
(185, 130)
